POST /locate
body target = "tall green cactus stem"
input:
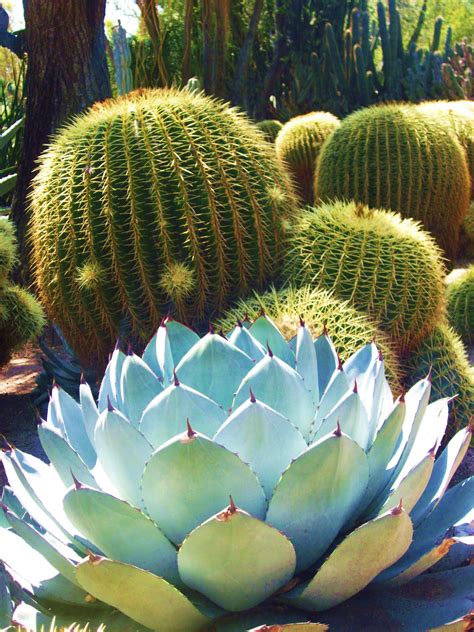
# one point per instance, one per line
(381, 263)
(299, 144)
(163, 201)
(458, 117)
(460, 300)
(397, 158)
(347, 327)
(442, 353)
(270, 128)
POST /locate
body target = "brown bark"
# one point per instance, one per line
(67, 72)
(154, 27)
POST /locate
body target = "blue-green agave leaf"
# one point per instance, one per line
(134, 538)
(307, 361)
(279, 386)
(327, 361)
(350, 412)
(89, 411)
(236, 560)
(166, 415)
(190, 479)
(110, 385)
(205, 367)
(138, 386)
(243, 340)
(264, 439)
(267, 333)
(337, 389)
(318, 494)
(6, 603)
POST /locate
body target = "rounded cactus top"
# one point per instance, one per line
(396, 157)
(162, 201)
(299, 143)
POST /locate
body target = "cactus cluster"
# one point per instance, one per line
(348, 327)
(397, 158)
(459, 117)
(379, 262)
(21, 317)
(442, 353)
(270, 129)
(298, 145)
(161, 202)
(460, 304)
(217, 475)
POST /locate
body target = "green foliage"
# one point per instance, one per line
(21, 316)
(193, 533)
(459, 117)
(460, 303)
(348, 327)
(382, 264)
(443, 353)
(298, 145)
(161, 202)
(270, 128)
(397, 158)
(467, 233)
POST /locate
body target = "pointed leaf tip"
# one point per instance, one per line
(355, 387)
(380, 355)
(262, 312)
(232, 507)
(430, 373)
(82, 379)
(77, 483)
(325, 330)
(129, 349)
(338, 431)
(93, 558)
(246, 317)
(163, 321)
(340, 366)
(175, 378)
(402, 397)
(239, 323)
(117, 345)
(222, 334)
(302, 323)
(396, 511)
(189, 431)
(110, 407)
(211, 328)
(252, 396)
(270, 352)
(229, 512)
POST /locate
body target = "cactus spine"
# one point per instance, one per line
(382, 264)
(460, 298)
(164, 201)
(397, 158)
(298, 145)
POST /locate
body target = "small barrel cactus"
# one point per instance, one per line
(21, 316)
(467, 233)
(348, 327)
(442, 353)
(397, 158)
(381, 263)
(460, 295)
(162, 201)
(216, 475)
(270, 128)
(299, 144)
(458, 117)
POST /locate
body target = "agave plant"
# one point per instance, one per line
(221, 483)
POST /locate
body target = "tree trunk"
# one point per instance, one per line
(67, 72)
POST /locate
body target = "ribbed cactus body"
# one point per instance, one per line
(460, 299)
(270, 128)
(397, 158)
(348, 328)
(467, 233)
(165, 201)
(21, 316)
(381, 263)
(442, 353)
(459, 117)
(299, 143)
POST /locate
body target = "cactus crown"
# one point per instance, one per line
(163, 201)
(299, 143)
(378, 261)
(395, 157)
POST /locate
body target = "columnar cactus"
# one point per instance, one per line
(381, 263)
(21, 316)
(215, 475)
(442, 353)
(460, 312)
(270, 128)
(164, 201)
(298, 144)
(459, 117)
(348, 327)
(397, 158)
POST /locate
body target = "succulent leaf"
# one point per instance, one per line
(144, 597)
(138, 386)
(180, 487)
(318, 493)
(236, 560)
(267, 333)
